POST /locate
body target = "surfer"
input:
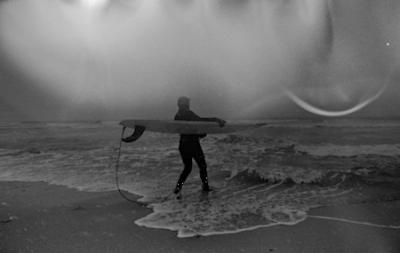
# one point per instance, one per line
(189, 145)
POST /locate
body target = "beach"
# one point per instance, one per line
(38, 217)
(291, 186)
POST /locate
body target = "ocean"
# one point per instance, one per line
(270, 176)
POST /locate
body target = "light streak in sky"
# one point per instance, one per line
(334, 113)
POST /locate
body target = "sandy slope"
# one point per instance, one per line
(37, 217)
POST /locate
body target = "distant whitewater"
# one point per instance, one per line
(265, 177)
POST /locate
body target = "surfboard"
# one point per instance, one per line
(188, 127)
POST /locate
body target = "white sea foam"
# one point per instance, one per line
(351, 150)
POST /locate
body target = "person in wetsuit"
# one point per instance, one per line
(189, 145)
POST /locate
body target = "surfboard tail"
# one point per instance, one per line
(137, 133)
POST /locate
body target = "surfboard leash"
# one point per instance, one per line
(117, 172)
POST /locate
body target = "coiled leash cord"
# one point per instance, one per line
(117, 172)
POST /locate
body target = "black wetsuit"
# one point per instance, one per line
(189, 148)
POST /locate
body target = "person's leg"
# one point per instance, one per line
(200, 159)
(186, 156)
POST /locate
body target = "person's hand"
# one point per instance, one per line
(221, 122)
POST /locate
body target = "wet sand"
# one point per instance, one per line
(38, 217)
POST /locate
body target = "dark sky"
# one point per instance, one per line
(66, 60)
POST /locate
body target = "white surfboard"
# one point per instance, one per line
(188, 127)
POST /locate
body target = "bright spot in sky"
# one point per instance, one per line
(94, 3)
(388, 44)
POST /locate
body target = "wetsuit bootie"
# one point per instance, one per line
(177, 190)
(206, 188)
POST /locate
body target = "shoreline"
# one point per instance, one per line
(39, 217)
